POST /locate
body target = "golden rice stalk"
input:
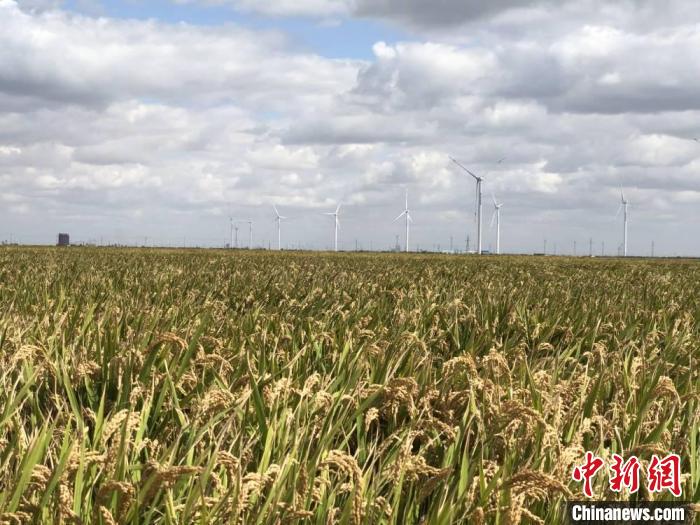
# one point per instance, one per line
(168, 337)
(371, 416)
(115, 423)
(348, 464)
(65, 505)
(665, 388)
(214, 401)
(163, 477)
(125, 490)
(15, 518)
(527, 481)
(106, 515)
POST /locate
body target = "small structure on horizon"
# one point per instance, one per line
(63, 239)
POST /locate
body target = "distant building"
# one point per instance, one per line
(63, 239)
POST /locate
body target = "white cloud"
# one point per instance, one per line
(111, 126)
(54, 57)
(313, 8)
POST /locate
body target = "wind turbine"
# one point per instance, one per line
(279, 220)
(497, 215)
(250, 233)
(337, 224)
(623, 206)
(249, 222)
(479, 181)
(407, 214)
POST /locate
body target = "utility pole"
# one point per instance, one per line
(574, 248)
(652, 249)
(590, 247)
(602, 248)
(545, 247)
(451, 247)
(467, 243)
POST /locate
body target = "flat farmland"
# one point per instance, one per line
(201, 386)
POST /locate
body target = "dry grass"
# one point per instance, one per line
(210, 387)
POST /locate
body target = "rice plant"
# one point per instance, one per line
(174, 386)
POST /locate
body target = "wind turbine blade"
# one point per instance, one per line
(493, 218)
(470, 173)
(337, 210)
(618, 211)
(410, 219)
(495, 204)
(464, 168)
(276, 212)
(400, 215)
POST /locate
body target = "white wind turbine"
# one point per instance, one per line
(479, 181)
(497, 215)
(407, 214)
(249, 222)
(335, 215)
(623, 206)
(279, 220)
(250, 233)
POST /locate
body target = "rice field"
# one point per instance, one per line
(186, 386)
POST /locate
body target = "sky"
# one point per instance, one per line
(156, 121)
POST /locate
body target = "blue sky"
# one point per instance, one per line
(337, 37)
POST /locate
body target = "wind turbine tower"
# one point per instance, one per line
(407, 215)
(335, 216)
(623, 205)
(497, 216)
(279, 220)
(479, 181)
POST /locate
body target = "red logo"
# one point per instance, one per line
(587, 471)
(624, 474)
(665, 474)
(662, 474)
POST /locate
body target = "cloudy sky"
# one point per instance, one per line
(121, 120)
